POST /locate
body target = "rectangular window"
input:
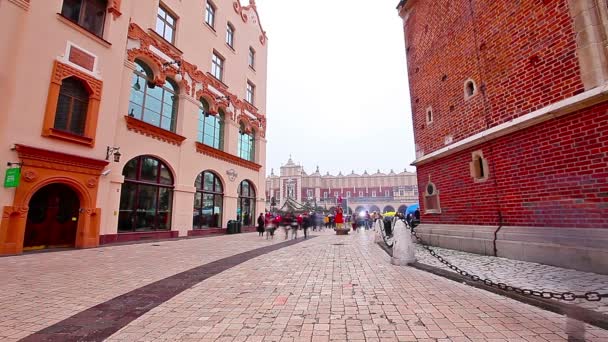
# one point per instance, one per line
(217, 66)
(210, 129)
(309, 193)
(165, 24)
(386, 193)
(210, 15)
(246, 146)
(251, 57)
(249, 96)
(360, 193)
(325, 195)
(336, 194)
(348, 194)
(230, 35)
(373, 194)
(89, 14)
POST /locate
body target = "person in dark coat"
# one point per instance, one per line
(261, 225)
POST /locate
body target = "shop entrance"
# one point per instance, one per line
(52, 219)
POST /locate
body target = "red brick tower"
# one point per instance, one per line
(509, 104)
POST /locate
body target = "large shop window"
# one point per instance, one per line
(156, 105)
(72, 105)
(89, 14)
(208, 201)
(146, 196)
(210, 127)
(246, 205)
(245, 147)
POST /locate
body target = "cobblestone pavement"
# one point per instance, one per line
(524, 274)
(340, 288)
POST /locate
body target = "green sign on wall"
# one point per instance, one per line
(12, 176)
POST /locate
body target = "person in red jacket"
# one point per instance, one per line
(339, 219)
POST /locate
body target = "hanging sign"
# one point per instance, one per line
(12, 177)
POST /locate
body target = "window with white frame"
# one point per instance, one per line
(165, 24)
(360, 193)
(230, 35)
(387, 193)
(325, 194)
(210, 14)
(251, 59)
(373, 194)
(348, 194)
(217, 66)
(309, 193)
(249, 96)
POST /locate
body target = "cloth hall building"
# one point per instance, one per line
(381, 192)
(127, 120)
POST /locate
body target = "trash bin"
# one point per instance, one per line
(232, 227)
(239, 227)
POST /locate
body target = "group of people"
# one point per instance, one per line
(290, 222)
(268, 223)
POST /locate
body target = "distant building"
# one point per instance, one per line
(367, 192)
(509, 106)
(132, 119)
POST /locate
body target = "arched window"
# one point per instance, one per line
(245, 147)
(156, 105)
(72, 106)
(230, 35)
(146, 196)
(208, 201)
(210, 127)
(246, 205)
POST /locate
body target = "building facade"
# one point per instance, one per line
(128, 119)
(509, 107)
(367, 192)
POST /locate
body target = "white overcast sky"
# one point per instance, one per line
(337, 86)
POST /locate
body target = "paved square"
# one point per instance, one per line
(338, 288)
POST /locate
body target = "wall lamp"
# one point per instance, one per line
(113, 151)
(178, 75)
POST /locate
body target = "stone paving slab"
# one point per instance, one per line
(523, 274)
(40, 289)
(341, 288)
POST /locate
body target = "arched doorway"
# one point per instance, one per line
(246, 205)
(52, 219)
(402, 209)
(388, 209)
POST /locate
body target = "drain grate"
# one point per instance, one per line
(338, 244)
(155, 245)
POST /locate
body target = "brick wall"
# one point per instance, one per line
(524, 52)
(553, 174)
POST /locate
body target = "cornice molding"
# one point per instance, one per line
(152, 131)
(33, 156)
(227, 157)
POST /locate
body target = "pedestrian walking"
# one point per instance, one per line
(261, 225)
(306, 224)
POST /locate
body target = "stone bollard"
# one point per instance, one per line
(378, 231)
(404, 252)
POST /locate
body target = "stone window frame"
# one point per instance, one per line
(60, 72)
(434, 192)
(479, 168)
(467, 93)
(427, 117)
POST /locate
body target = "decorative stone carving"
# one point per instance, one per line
(232, 174)
(227, 157)
(29, 176)
(91, 183)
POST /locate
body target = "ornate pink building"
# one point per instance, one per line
(127, 120)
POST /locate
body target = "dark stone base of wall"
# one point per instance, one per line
(584, 249)
(205, 232)
(137, 236)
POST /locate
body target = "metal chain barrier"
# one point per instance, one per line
(565, 296)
